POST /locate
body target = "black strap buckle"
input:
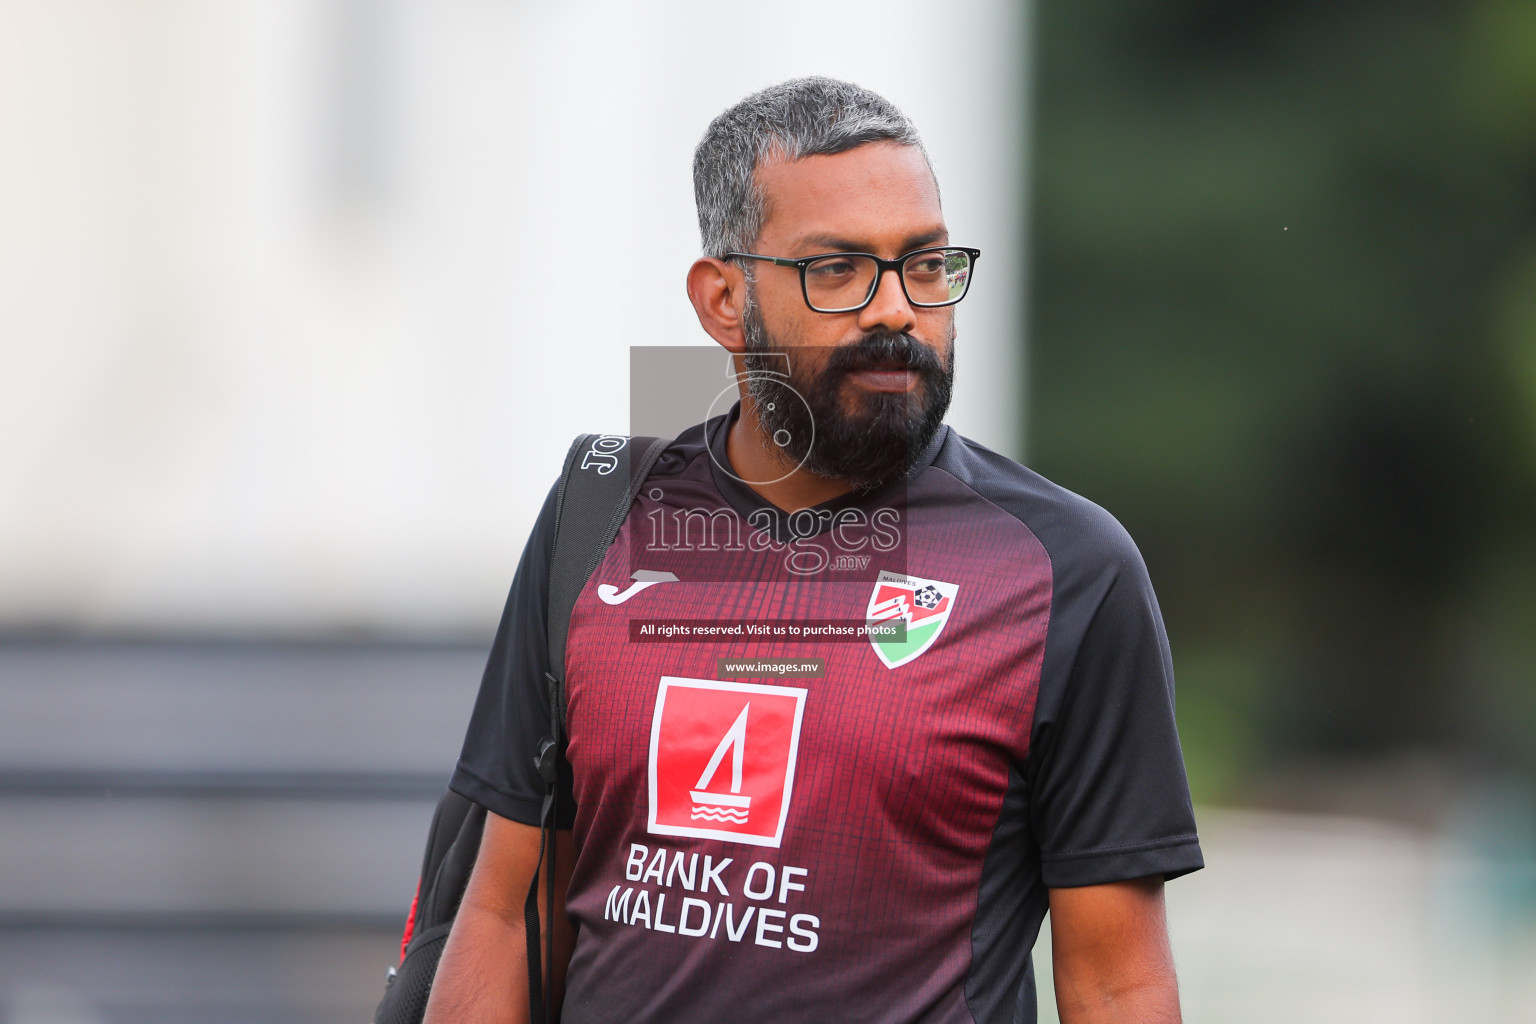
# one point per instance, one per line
(545, 760)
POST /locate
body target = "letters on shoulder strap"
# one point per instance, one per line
(602, 475)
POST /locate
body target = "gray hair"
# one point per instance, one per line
(795, 119)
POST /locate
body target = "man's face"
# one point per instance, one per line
(876, 382)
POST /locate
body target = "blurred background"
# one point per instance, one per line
(302, 300)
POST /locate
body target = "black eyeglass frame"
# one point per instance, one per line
(881, 266)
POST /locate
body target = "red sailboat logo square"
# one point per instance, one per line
(722, 759)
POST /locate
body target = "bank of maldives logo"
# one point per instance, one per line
(924, 605)
(722, 760)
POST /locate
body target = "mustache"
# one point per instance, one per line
(885, 350)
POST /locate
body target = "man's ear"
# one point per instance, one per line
(717, 289)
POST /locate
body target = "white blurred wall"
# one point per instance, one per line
(1342, 920)
(273, 351)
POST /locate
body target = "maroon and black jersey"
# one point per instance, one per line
(827, 765)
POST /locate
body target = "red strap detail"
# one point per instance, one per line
(410, 922)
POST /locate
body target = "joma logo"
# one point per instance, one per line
(603, 455)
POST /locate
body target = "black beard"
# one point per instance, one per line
(881, 439)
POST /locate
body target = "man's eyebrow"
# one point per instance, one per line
(933, 237)
(834, 243)
(828, 243)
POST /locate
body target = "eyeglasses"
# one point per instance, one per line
(845, 282)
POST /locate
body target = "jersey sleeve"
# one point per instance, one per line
(496, 767)
(1109, 796)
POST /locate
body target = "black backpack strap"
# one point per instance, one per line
(601, 478)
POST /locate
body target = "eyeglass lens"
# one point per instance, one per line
(934, 277)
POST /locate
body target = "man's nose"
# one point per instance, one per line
(889, 308)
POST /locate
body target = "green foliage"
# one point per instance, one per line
(1285, 329)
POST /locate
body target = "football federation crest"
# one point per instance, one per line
(924, 605)
(722, 760)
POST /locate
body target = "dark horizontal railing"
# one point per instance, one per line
(278, 785)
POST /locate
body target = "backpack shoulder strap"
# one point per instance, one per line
(603, 474)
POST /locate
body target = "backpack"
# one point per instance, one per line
(598, 484)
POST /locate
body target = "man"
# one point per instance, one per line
(876, 836)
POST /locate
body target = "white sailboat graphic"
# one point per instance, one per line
(730, 806)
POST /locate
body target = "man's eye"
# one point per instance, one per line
(926, 265)
(831, 269)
